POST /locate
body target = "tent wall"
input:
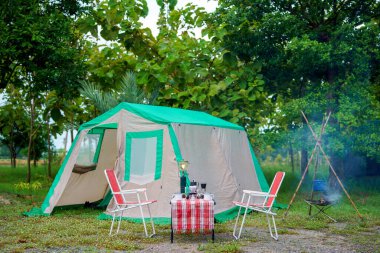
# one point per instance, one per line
(219, 157)
(161, 189)
(91, 186)
(64, 173)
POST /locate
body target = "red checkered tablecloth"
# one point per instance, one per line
(192, 215)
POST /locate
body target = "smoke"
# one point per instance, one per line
(332, 197)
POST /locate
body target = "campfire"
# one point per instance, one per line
(320, 202)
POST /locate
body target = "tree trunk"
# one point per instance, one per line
(49, 149)
(64, 146)
(34, 155)
(65, 142)
(291, 155)
(332, 98)
(304, 152)
(12, 151)
(337, 164)
(72, 128)
(372, 167)
(29, 174)
(13, 154)
(304, 160)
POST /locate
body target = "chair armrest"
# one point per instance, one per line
(255, 193)
(131, 191)
(259, 194)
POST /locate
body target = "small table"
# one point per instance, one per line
(192, 216)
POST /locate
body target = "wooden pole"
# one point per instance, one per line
(314, 175)
(331, 167)
(300, 182)
(307, 166)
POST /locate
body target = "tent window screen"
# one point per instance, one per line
(88, 154)
(143, 156)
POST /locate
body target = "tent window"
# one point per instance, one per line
(143, 156)
(89, 151)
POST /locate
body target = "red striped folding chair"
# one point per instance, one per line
(260, 202)
(122, 203)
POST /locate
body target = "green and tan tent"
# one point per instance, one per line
(144, 144)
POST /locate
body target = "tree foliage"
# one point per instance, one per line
(40, 52)
(39, 46)
(106, 100)
(316, 56)
(257, 64)
(186, 72)
(13, 123)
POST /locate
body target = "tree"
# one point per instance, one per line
(40, 51)
(13, 123)
(317, 56)
(104, 101)
(39, 43)
(184, 71)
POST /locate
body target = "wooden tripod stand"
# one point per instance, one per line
(318, 145)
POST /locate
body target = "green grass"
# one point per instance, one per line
(80, 230)
(231, 247)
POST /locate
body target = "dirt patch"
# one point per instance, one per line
(4, 201)
(299, 241)
(259, 240)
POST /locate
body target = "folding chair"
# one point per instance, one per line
(121, 203)
(260, 202)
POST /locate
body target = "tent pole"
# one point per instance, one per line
(307, 166)
(331, 167)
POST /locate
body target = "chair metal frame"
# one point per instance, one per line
(121, 204)
(264, 207)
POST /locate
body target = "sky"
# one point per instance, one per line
(150, 21)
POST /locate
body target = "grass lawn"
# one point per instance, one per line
(80, 230)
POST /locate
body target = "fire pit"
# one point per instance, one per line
(322, 205)
(319, 202)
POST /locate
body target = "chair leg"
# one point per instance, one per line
(242, 223)
(143, 220)
(270, 227)
(118, 226)
(151, 222)
(113, 220)
(236, 222)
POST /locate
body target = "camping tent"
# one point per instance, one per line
(144, 144)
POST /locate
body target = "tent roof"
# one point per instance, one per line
(164, 115)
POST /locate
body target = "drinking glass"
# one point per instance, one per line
(203, 188)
